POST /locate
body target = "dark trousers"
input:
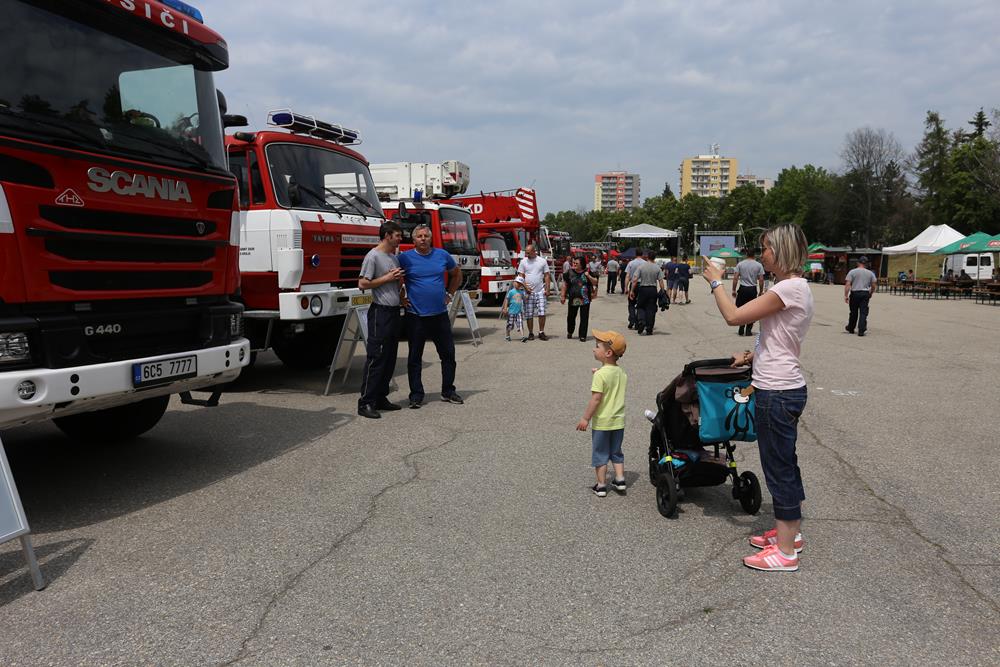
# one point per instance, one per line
(612, 279)
(745, 295)
(858, 302)
(383, 345)
(645, 308)
(571, 319)
(631, 312)
(437, 329)
(621, 280)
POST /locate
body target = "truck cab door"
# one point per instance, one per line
(255, 247)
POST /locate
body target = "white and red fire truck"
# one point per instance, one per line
(309, 216)
(118, 249)
(416, 188)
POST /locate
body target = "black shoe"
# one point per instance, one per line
(599, 491)
(640, 332)
(531, 336)
(452, 398)
(849, 330)
(631, 326)
(369, 412)
(569, 335)
(649, 333)
(415, 404)
(748, 333)
(387, 406)
(583, 339)
(542, 336)
(861, 333)
(618, 485)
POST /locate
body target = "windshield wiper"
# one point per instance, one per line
(345, 200)
(320, 198)
(67, 131)
(366, 203)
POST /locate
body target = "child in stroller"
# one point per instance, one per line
(683, 426)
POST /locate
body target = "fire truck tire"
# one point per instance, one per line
(490, 300)
(119, 424)
(311, 349)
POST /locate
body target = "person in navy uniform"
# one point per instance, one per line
(427, 298)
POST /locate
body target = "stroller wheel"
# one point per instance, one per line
(666, 495)
(656, 452)
(749, 492)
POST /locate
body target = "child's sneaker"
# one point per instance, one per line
(618, 485)
(524, 339)
(770, 559)
(599, 491)
(507, 339)
(770, 538)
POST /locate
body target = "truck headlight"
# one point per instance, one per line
(316, 305)
(236, 325)
(14, 347)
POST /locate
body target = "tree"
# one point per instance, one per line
(694, 210)
(868, 153)
(743, 206)
(929, 164)
(979, 124)
(803, 196)
(971, 196)
(667, 192)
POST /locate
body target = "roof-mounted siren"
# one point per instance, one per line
(308, 125)
(184, 8)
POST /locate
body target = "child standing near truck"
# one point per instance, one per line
(513, 308)
(607, 409)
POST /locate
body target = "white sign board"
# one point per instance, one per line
(13, 523)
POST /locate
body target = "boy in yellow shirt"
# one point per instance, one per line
(607, 408)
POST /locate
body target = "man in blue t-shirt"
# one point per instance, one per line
(427, 300)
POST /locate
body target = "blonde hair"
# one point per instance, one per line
(789, 246)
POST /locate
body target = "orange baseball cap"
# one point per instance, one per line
(614, 340)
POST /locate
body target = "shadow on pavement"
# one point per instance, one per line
(64, 484)
(54, 559)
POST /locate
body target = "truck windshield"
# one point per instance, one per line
(457, 234)
(543, 243)
(74, 78)
(311, 177)
(495, 252)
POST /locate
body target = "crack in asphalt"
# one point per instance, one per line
(904, 519)
(409, 462)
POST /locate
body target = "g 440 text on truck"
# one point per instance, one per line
(309, 216)
(118, 253)
(409, 192)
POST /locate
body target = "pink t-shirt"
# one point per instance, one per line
(776, 360)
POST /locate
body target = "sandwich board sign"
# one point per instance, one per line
(355, 330)
(462, 302)
(13, 524)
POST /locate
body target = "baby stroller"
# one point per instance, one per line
(708, 405)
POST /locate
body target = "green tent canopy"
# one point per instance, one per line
(988, 244)
(961, 246)
(726, 253)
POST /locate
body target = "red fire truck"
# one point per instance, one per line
(118, 252)
(513, 214)
(419, 189)
(309, 216)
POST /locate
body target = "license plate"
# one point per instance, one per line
(167, 370)
(362, 300)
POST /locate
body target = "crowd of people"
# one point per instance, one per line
(421, 282)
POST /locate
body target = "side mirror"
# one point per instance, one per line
(234, 120)
(403, 215)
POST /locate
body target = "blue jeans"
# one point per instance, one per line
(606, 445)
(777, 416)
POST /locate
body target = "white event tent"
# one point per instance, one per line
(933, 238)
(644, 231)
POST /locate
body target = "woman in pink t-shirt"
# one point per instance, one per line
(784, 313)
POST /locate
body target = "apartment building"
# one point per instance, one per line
(616, 191)
(708, 175)
(764, 184)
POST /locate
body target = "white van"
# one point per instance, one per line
(978, 267)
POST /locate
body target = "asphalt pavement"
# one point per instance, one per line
(281, 528)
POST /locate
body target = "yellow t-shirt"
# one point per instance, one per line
(610, 381)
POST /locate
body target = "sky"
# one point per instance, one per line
(547, 94)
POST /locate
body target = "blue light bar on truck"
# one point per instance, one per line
(185, 8)
(302, 124)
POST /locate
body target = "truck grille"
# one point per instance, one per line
(127, 223)
(129, 280)
(118, 249)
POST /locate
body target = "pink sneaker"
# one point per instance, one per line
(770, 538)
(770, 559)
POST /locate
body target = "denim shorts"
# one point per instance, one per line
(777, 414)
(606, 445)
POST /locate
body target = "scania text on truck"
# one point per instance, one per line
(416, 187)
(309, 215)
(118, 249)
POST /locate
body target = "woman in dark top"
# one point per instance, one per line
(578, 286)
